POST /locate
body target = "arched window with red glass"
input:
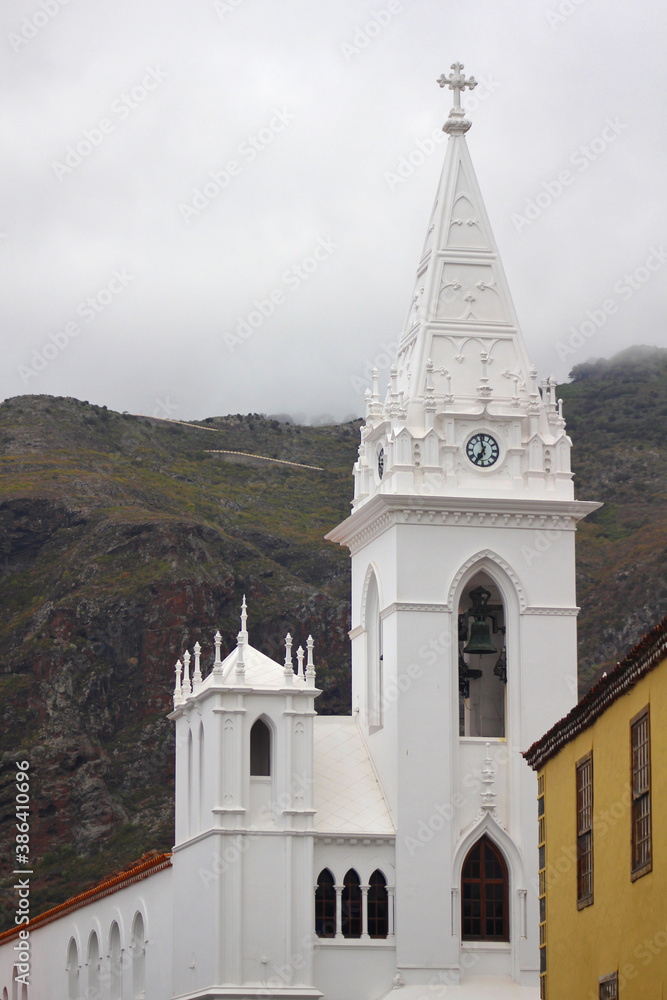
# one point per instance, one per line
(378, 906)
(325, 905)
(351, 905)
(485, 894)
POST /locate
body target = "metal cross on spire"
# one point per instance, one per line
(457, 81)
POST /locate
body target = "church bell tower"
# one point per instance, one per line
(463, 596)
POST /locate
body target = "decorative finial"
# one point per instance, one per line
(217, 663)
(310, 666)
(289, 669)
(186, 673)
(299, 662)
(178, 689)
(241, 640)
(196, 677)
(457, 82)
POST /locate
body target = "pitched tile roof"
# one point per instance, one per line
(147, 864)
(347, 794)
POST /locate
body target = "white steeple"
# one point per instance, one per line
(462, 368)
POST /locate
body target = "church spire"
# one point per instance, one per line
(461, 360)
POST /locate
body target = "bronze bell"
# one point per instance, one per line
(480, 639)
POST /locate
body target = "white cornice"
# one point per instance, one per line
(385, 510)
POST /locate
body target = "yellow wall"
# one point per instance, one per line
(625, 928)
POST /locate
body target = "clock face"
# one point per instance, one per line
(381, 463)
(482, 450)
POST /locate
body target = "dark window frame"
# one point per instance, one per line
(325, 905)
(608, 987)
(483, 881)
(640, 785)
(377, 903)
(351, 905)
(584, 807)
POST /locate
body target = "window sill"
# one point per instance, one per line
(486, 946)
(583, 903)
(388, 942)
(638, 872)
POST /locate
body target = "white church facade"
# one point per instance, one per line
(391, 852)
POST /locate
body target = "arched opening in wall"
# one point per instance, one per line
(15, 985)
(484, 894)
(5, 993)
(202, 759)
(373, 625)
(351, 905)
(260, 750)
(138, 957)
(378, 906)
(191, 790)
(115, 964)
(93, 965)
(482, 658)
(72, 970)
(325, 905)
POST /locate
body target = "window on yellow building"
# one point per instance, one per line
(640, 741)
(585, 831)
(609, 987)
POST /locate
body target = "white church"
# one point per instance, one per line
(392, 852)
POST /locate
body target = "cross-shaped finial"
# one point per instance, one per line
(457, 82)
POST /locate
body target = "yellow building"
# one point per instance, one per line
(602, 821)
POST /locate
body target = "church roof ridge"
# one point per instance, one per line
(148, 864)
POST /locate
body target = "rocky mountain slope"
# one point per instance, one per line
(123, 541)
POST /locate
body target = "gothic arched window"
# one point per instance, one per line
(351, 905)
(485, 894)
(378, 906)
(260, 750)
(373, 627)
(325, 905)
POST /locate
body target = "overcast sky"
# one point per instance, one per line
(123, 286)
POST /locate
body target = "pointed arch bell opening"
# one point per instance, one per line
(482, 658)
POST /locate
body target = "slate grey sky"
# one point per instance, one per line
(217, 206)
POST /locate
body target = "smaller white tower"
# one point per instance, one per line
(243, 858)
